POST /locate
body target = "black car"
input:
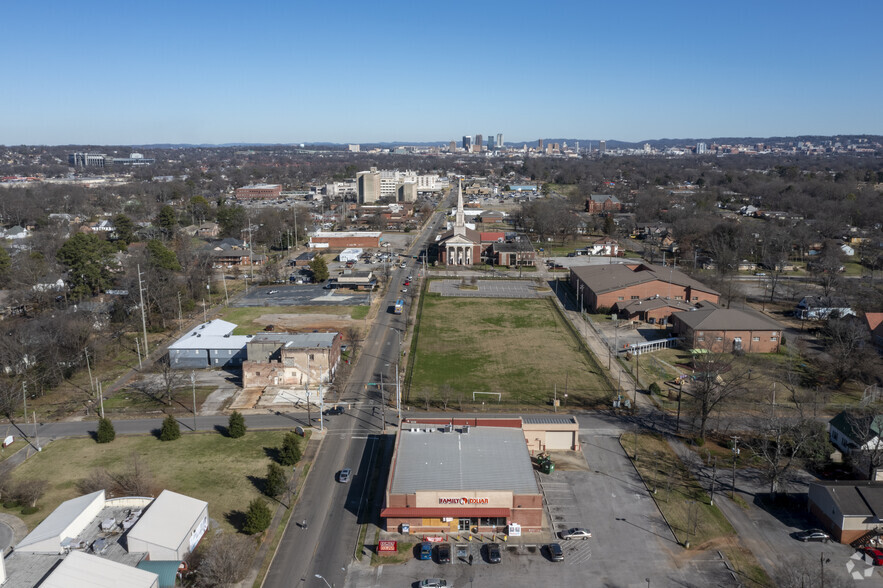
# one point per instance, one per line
(555, 552)
(443, 553)
(493, 553)
(334, 410)
(812, 535)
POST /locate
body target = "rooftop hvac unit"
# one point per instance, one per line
(449, 428)
(465, 429)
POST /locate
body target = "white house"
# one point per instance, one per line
(855, 432)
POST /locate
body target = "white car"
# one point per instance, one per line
(435, 583)
(575, 533)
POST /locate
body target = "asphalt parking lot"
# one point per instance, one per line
(301, 295)
(630, 541)
(490, 289)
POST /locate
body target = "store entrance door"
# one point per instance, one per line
(463, 524)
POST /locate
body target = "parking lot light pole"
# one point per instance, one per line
(324, 580)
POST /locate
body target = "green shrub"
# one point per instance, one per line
(275, 483)
(106, 432)
(257, 517)
(236, 425)
(170, 429)
(29, 510)
(290, 453)
(655, 389)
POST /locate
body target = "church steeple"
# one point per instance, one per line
(460, 219)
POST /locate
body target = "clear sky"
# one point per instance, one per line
(194, 71)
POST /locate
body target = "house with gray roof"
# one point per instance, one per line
(727, 329)
(850, 431)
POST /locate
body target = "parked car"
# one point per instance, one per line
(425, 550)
(575, 533)
(812, 535)
(273, 292)
(407, 283)
(875, 555)
(404, 290)
(493, 553)
(555, 552)
(344, 476)
(443, 553)
(435, 583)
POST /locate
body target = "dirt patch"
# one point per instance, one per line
(569, 461)
(305, 323)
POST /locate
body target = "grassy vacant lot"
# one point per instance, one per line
(245, 317)
(685, 505)
(520, 348)
(209, 466)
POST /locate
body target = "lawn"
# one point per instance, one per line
(685, 504)
(245, 317)
(520, 348)
(208, 466)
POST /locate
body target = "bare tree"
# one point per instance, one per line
(809, 572)
(426, 395)
(717, 377)
(171, 379)
(30, 491)
(445, 393)
(849, 354)
(781, 436)
(866, 428)
(226, 561)
(135, 480)
(98, 479)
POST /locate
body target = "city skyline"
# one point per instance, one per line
(348, 73)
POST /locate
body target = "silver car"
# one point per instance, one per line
(576, 533)
(344, 476)
(435, 583)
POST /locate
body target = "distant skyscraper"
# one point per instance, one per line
(478, 141)
(467, 142)
(701, 148)
(576, 147)
(499, 140)
(602, 147)
(539, 144)
(452, 146)
(491, 142)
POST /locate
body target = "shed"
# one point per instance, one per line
(81, 570)
(65, 522)
(170, 528)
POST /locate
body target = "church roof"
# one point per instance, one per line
(471, 235)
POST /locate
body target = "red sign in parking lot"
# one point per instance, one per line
(433, 539)
(387, 546)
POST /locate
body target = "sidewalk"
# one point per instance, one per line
(272, 533)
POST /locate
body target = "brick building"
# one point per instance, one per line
(290, 360)
(604, 286)
(849, 510)
(345, 239)
(598, 203)
(259, 192)
(727, 329)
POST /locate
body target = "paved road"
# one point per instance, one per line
(319, 554)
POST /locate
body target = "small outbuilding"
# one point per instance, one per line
(170, 528)
(81, 570)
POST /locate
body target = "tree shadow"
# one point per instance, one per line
(236, 519)
(259, 483)
(156, 432)
(274, 454)
(222, 430)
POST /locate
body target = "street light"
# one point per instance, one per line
(324, 580)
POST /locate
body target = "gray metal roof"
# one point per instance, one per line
(65, 521)
(168, 520)
(485, 458)
(563, 419)
(296, 340)
(856, 498)
(215, 334)
(727, 319)
(90, 571)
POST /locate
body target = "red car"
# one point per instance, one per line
(407, 283)
(875, 555)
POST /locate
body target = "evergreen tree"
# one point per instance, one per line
(106, 432)
(124, 229)
(5, 263)
(166, 219)
(257, 517)
(275, 483)
(290, 453)
(236, 425)
(88, 258)
(319, 268)
(170, 429)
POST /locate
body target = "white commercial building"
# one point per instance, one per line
(351, 254)
(170, 528)
(81, 570)
(64, 523)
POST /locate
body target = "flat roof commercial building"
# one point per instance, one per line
(259, 191)
(170, 528)
(345, 239)
(209, 345)
(81, 570)
(454, 475)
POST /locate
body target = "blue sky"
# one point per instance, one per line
(190, 71)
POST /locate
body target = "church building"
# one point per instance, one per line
(462, 245)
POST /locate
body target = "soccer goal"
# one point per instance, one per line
(499, 395)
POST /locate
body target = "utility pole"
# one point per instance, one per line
(555, 394)
(193, 387)
(101, 398)
(24, 399)
(735, 454)
(398, 395)
(180, 315)
(143, 313)
(307, 390)
(226, 298)
(713, 475)
(382, 405)
(138, 351)
(36, 439)
(91, 383)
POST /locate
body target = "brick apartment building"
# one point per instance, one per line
(727, 329)
(259, 192)
(345, 239)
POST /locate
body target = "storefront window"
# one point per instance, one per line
(493, 521)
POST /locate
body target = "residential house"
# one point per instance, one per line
(875, 326)
(822, 308)
(850, 431)
(604, 246)
(727, 329)
(232, 252)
